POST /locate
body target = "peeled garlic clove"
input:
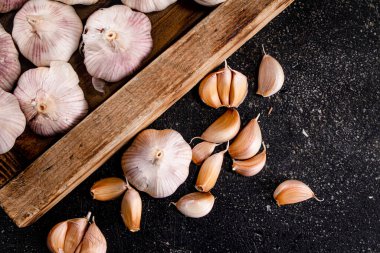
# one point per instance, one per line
(12, 121)
(251, 166)
(83, 2)
(76, 229)
(209, 2)
(239, 88)
(131, 209)
(196, 205)
(56, 237)
(148, 5)
(202, 151)
(93, 241)
(10, 67)
(208, 91)
(291, 192)
(51, 98)
(224, 128)
(248, 141)
(271, 76)
(47, 31)
(115, 41)
(209, 172)
(157, 162)
(224, 85)
(9, 5)
(108, 188)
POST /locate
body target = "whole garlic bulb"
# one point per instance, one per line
(9, 5)
(12, 121)
(148, 5)
(51, 98)
(83, 2)
(10, 67)
(209, 2)
(47, 31)
(157, 162)
(115, 41)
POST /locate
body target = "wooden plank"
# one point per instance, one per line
(167, 26)
(152, 91)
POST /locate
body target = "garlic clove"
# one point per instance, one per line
(248, 141)
(291, 192)
(209, 172)
(251, 166)
(224, 128)
(76, 229)
(10, 68)
(51, 98)
(56, 237)
(148, 5)
(93, 241)
(83, 2)
(271, 76)
(12, 121)
(209, 2)
(47, 31)
(9, 5)
(108, 188)
(157, 162)
(131, 209)
(224, 85)
(239, 89)
(196, 204)
(202, 151)
(208, 91)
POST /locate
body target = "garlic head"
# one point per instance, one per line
(209, 2)
(148, 5)
(9, 5)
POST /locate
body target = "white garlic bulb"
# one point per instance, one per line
(12, 121)
(83, 2)
(9, 5)
(209, 2)
(148, 5)
(51, 98)
(157, 162)
(47, 31)
(10, 67)
(115, 41)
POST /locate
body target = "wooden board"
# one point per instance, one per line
(133, 107)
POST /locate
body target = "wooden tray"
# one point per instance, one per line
(189, 41)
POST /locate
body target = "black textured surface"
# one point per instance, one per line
(330, 54)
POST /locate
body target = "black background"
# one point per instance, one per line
(330, 54)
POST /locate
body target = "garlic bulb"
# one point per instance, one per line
(10, 67)
(115, 41)
(148, 5)
(293, 191)
(12, 121)
(9, 5)
(83, 2)
(209, 2)
(51, 98)
(196, 204)
(157, 162)
(47, 31)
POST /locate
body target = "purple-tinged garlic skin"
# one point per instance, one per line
(10, 68)
(51, 98)
(46, 31)
(12, 121)
(147, 6)
(115, 41)
(10, 5)
(82, 2)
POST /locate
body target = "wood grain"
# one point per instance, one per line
(137, 104)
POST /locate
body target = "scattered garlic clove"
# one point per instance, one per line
(157, 162)
(148, 5)
(251, 166)
(196, 204)
(209, 2)
(202, 151)
(56, 237)
(93, 241)
(108, 188)
(224, 128)
(115, 41)
(131, 209)
(224, 84)
(239, 88)
(10, 68)
(9, 5)
(83, 2)
(271, 76)
(208, 91)
(248, 142)
(12, 121)
(47, 31)
(291, 192)
(51, 98)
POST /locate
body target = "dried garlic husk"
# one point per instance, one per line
(83, 2)
(93, 241)
(115, 41)
(10, 68)
(51, 98)
(202, 151)
(196, 204)
(12, 121)
(157, 162)
(148, 5)
(47, 31)
(131, 209)
(9, 5)
(292, 191)
(251, 166)
(209, 2)
(108, 188)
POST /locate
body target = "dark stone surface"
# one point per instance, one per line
(330, 54)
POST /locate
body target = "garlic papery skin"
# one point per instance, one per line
(115, 41)
(10, 68)
(46, 31)
(248, 142)
(12, 121)
(196, 204)
(202, 151)
(51, 98)
(9, 5)
(291, 192)
(74, 2)
(93, 241)
(251, 166)
(157, 162)
(108, 189)
(147, 6)
(224, 128)
(131, 209)
(208, 91)
(271, 76)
